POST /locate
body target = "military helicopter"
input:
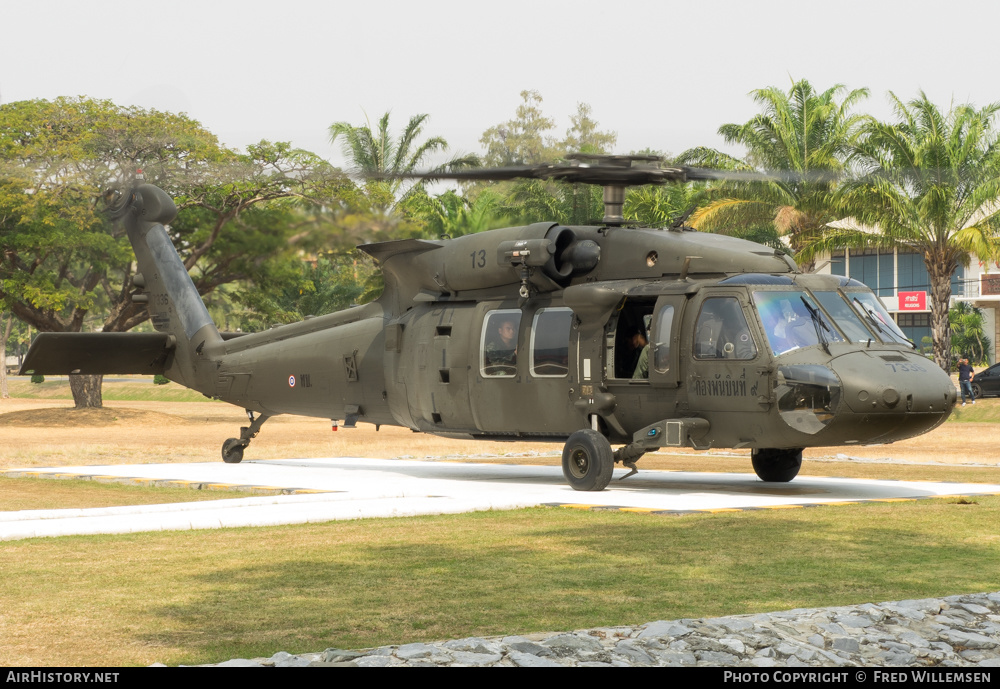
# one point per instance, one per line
(592, 335)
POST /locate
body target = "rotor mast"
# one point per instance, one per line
(614, 193)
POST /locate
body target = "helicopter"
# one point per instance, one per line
(593, 336)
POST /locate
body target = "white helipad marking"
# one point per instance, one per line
(397, 488)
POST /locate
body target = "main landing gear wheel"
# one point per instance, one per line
(776, 466)
(587, 460)
(232, 451)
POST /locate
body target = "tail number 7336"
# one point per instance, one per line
(896, 368)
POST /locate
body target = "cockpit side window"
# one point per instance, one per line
(499, 343)
(722, 332)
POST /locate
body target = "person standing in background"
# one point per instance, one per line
(965, 378)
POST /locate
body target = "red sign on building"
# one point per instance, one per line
(913, 301)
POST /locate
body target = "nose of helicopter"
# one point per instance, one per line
(893, 395)
(892, 382)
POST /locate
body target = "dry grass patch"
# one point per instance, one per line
(59, 417)
(138, 388)
(51, 494)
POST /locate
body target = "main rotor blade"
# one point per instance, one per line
(584, 174)
(605, 174)
(817, 176)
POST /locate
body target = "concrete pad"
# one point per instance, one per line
(355, 488)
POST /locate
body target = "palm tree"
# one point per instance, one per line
(929, 183)
(968, 332)
(802, 133)
(379, 154)
(451, 214)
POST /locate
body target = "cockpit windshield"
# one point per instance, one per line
(792, 319)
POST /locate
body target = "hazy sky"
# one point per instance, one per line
(662, 74)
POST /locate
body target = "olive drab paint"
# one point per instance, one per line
(593, 335)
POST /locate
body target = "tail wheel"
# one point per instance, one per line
(232, 451)
(587, 460)
(776, 466)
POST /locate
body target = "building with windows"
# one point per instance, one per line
(900, 280)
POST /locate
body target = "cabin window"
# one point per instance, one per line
(499, 343)
(722, 331)
(550, 342)
(631, 338)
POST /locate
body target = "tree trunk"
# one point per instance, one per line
(939, 270)
(4, 336)
(86, 391)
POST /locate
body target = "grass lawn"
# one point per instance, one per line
(207, 596)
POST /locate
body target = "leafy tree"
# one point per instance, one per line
(929, 182)
(332, 282)
(583, 136)
(806, 135)
(57, 158)
(63, 260)
(15, 337)
(522, 140)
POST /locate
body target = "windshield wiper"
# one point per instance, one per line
(869, 316)
(818, 323)
(881, 326)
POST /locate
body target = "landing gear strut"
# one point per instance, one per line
(232, 449)
(628, 456)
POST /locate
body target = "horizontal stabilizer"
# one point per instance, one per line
(58, 354)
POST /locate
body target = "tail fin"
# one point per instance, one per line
(174, 304)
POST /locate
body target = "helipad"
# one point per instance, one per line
(316, 490)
